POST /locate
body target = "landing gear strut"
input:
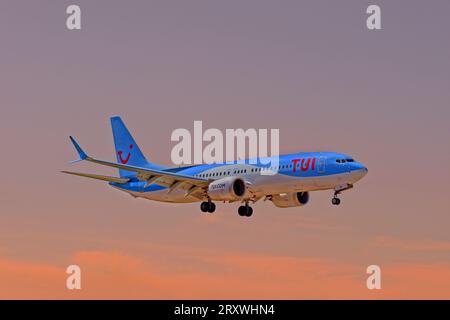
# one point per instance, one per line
(208, 206)
(245, 211)
(336, 201)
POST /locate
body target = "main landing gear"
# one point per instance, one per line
(245, 211)
(208, 206)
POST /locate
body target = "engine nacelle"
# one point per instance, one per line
(227, 189)
(287, 200)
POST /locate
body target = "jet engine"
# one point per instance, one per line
(227, 189)
(287, 200)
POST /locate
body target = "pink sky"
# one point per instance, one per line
(310, 69)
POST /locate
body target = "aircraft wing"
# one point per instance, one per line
(171, 180)
(98, 177)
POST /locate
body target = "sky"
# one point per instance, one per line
(311, 69)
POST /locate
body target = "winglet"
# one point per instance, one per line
(81, 153)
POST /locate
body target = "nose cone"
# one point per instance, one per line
(358, 172)
(365, 170)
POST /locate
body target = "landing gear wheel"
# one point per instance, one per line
(204, 206)
(245, 211)
(212, 207)
(208, 206)
(336, 201)
(242, 211)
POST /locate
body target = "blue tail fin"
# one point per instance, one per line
(127, 151)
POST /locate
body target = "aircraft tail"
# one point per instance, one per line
(127, 151)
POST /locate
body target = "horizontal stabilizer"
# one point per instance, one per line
(98, 177)
(150, 175)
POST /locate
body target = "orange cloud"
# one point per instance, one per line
(23, 280)
(417, 281)
(113, 275)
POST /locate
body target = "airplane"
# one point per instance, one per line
(295, 176)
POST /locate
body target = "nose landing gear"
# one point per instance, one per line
(335, 200)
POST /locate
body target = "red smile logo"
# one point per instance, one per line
(124, 161)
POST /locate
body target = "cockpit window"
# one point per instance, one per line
(345, 160)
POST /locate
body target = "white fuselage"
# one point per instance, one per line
(260, 184)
